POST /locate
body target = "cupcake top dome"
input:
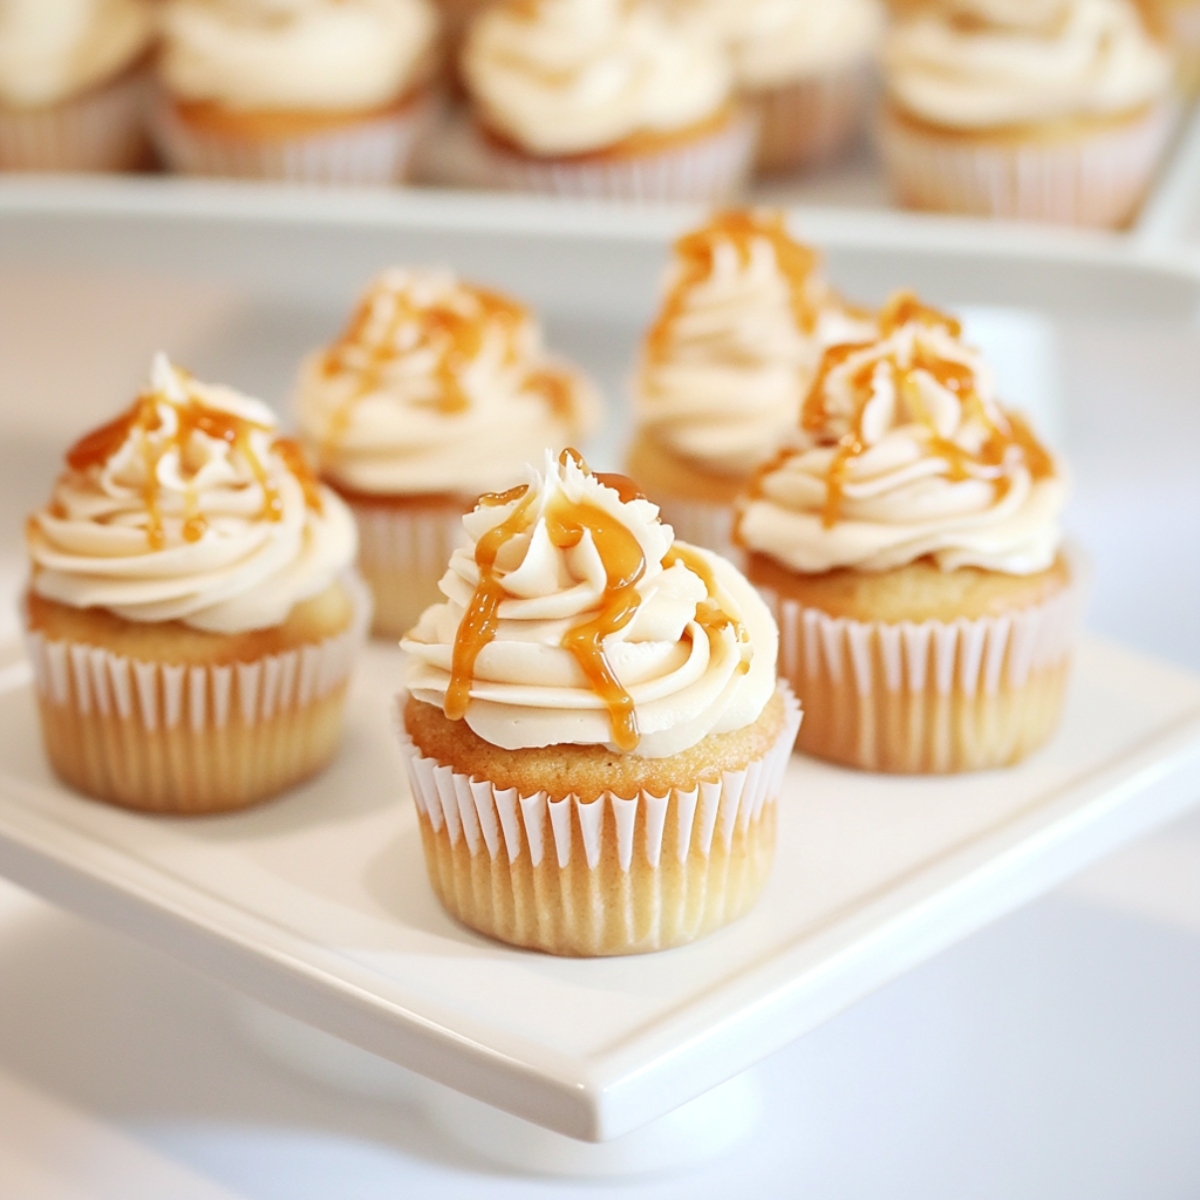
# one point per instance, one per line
(562, 77)
(309, 55)
(574, 617)
(737, 341)
(981, 64)
(50, 52)
(189, 507)
(435, 387)
(903, 452)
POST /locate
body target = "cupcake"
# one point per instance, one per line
(726, 365)
(189, 615)
(594, 734)
(436, 389)
(317, 91)
(604, 98)
(1179, 21)
(73, 84)
(908, 542)
(1050, 110)
(806, 67)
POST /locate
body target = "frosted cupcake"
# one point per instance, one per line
(726, 365)
(604, 98)
(909, 543)
(190, 620)
(322, 91)
(435, 390)
(73, 84)
(1179, 21)
(594, 734)
(806, 66)
(1054, 110)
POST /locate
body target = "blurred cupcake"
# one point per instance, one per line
(73, 84)
(909, 543)
(807, 67)
(726, 366)
(190, 618)
(1054, 110)
(435, 390)
(594, 734)
(1179, 22)
(604, 98)
(317, 91)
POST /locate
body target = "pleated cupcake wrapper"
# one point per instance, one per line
(402, 554)
(375, 151)
(1097, 179)
(811, 120)
(504, 824)
(708, 168)
(102, 130)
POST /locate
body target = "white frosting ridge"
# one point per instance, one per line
(984, 64)
(438, 387)
(50, 50)
(904, 453)
(743, 326)
(232, 538)
(297, 55)
(686, 675)
(563, 77)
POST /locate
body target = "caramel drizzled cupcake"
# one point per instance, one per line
(908, 541)
(594, 734)
(190, 617)
(727, 364)
(435, 389)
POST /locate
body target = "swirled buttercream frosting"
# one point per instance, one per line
(985, 64)
(728, 361)
(189, 507)
(573, 617)
(903, 452)
(297, 55)
(51, 50)
(563, 77)
(437, 387)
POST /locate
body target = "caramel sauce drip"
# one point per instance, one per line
(1003, 430)
(696, 253)
(143, 420)
(709, 614)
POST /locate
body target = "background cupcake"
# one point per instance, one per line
(726, 366)
(604, 699)
(605, 98)
(1054, 110)
(329, 91)
(909, 543)
(189, 617)
(435, 390)
(73, 84)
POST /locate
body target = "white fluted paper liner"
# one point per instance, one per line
(180, 738)
(375, 151)
(1097, 179)
(708, 168)
(403, 552)
(615, 875)
(927, 696)
(103, 129)
(702, 523)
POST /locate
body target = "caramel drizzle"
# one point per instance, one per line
(1003, 430)
(143, 420)
(710, 616)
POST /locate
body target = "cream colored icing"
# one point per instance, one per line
(564, 77)
(50, 50)
(320, 55)
(745, 320)
(687, 678)
(980, 64)
(94, 545)
(438, 387)
(942, 470)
